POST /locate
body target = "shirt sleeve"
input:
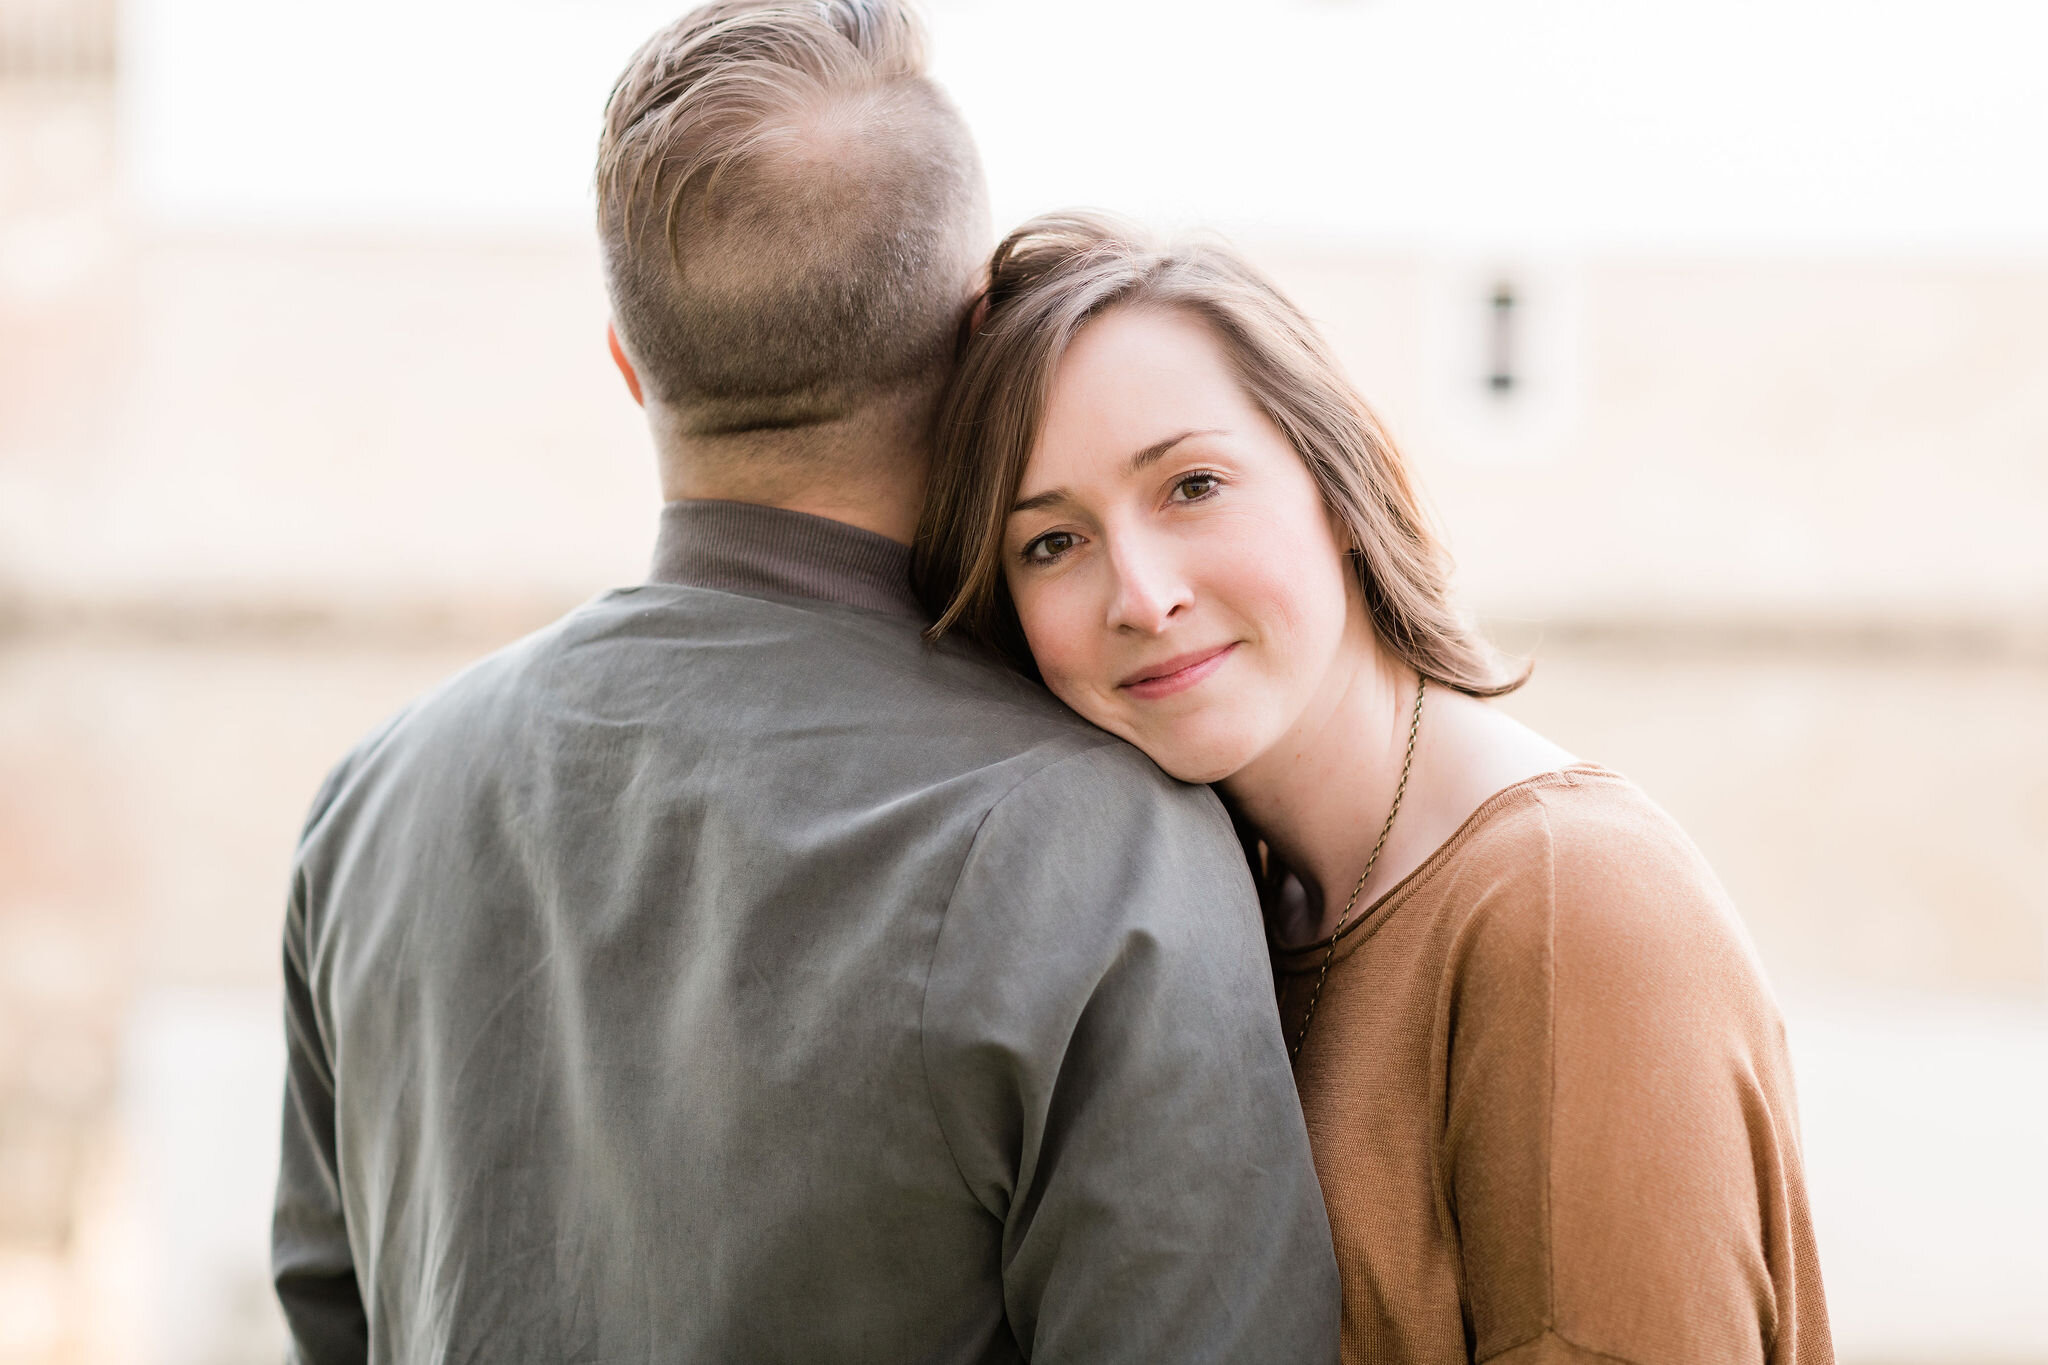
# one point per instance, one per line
(1105, 1059)
(1621, 1155)
(312, 1266)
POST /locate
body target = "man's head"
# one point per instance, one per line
(792, 215)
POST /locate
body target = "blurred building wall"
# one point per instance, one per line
(56, 38)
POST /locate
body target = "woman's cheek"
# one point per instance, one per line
(1047, 631)
(1065, 661)
(1306, 610)
(1064, 675)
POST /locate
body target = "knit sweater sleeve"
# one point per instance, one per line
(1621, 1153)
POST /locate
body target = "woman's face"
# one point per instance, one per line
(1176, 573)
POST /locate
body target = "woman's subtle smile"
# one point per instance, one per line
(1177, 674)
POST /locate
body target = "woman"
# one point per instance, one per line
(1544, 1079)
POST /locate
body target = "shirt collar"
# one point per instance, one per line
(748, 548)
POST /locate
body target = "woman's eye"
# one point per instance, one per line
(1195, 487)
(1049, 546)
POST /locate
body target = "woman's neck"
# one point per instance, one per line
(1320, 795)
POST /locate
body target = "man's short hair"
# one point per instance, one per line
(790, 212)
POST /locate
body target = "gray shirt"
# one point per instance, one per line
(724, 974)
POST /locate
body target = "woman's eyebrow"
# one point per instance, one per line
(1137, 462)
(1135, 465)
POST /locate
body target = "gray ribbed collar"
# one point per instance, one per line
(746, 548)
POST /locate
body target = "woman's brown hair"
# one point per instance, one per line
(1047, 280)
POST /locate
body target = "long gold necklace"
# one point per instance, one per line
(1400, 789)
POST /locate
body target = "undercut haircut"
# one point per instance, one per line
(790, 212)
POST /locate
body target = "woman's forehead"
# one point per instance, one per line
(1133, 377)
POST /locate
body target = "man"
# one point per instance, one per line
(722, 974)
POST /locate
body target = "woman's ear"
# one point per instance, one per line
(1340, 530)
(611, 336)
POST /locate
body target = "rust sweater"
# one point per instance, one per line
(1550, 1103)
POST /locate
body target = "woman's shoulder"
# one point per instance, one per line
(1579, 875)
(1586, 830)
(1588, 811)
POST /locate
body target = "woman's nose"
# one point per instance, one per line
(1147, 590)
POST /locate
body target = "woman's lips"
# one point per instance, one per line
(1177, 674)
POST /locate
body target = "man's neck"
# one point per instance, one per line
(892, 513)
(870, 475)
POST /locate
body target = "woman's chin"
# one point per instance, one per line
(1192, 762)
(1181, 751)
(1213, 772)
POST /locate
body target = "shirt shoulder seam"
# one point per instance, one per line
(945, 915)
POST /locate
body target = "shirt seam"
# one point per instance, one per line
(1553, 1332)
(1550, 1310)
(313, 949)
(945, 917)
(894, 612)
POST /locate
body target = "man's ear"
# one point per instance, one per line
(611, 336)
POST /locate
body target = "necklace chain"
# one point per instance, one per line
(1400, 789)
